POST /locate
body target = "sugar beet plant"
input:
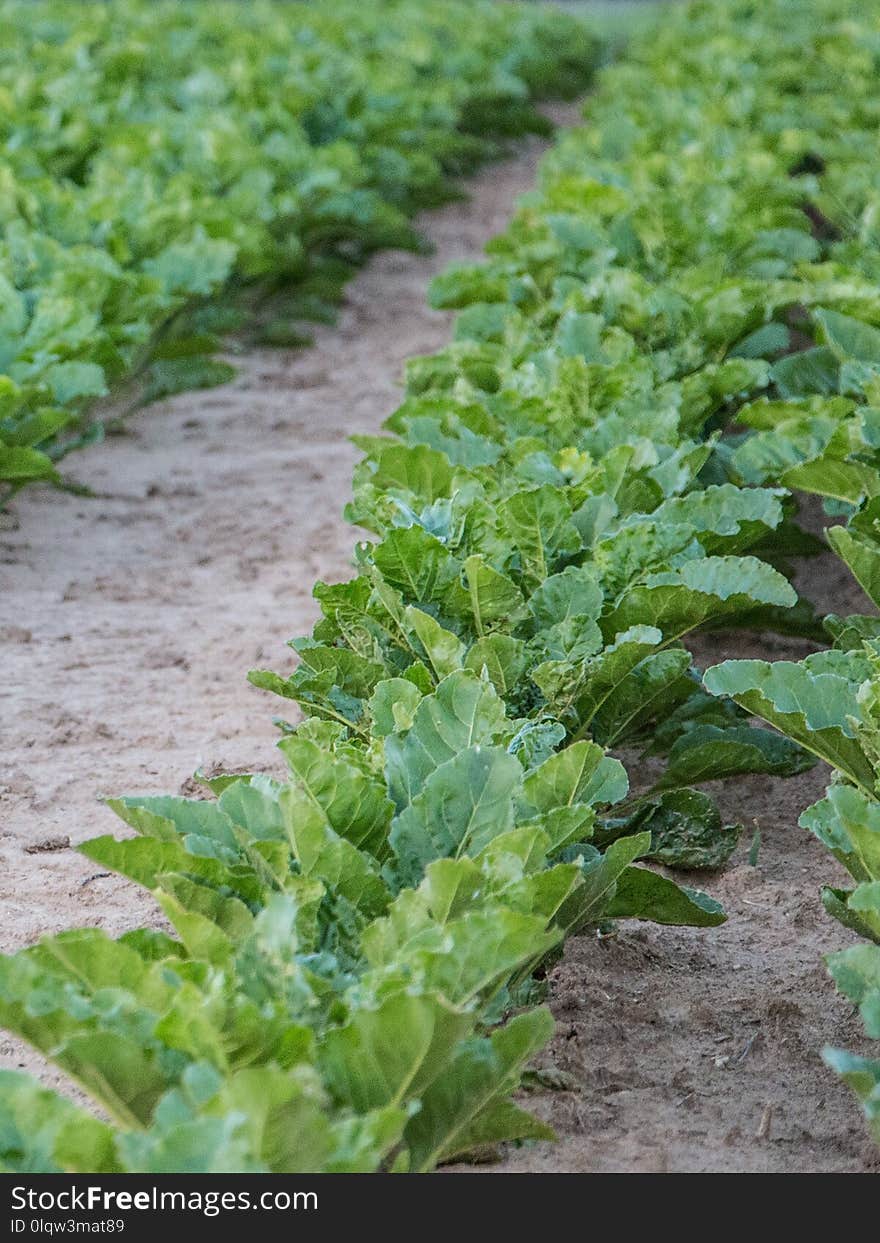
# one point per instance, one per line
(349, 970)
(157, 154)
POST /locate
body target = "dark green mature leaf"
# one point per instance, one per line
(179, 375)
(709, 753)
(643, 894)
(686, 830)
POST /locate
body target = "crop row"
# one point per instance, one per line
(678, 332)
(155, 154)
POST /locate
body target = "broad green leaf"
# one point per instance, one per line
(168, 818)
(686, 830)
(590, 903)
(147, 860)
(420, 566)
(861, 555)
(540, 525)
(463, 804)
(480, 951)
(581, 773)
(582, 689)
(168, 376)
(463, 712)
(393, 706)
(643, 894)
(807, 372)
(724, 517)
(848, 337)
(327, 856)
(502, 657)
(655, 686)
(677, 601)
(44, 1133)
(354, 802)
(493, 597)
(710, 753)
(444, 650)
(19, 465)
(862, 1074)
(574, 593)
(418, 469)
(856, 972)
(847, 822)
(208, 924)
(813, 702)
(390, 1054)
(829, 476)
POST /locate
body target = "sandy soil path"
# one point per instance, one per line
(127, 624)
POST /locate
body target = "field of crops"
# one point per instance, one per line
(153, 157)
(513, 724)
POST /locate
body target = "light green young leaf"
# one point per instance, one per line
(862, 1074)
(571, 594)
(502, 657)
(354, 802)
(540, 525)
(856, 972)
(463, 804)
(444, 650)
(463, 712)
(581, 773)
(862, 555)
(493, 597)
(391, 1054)
(847, 822)
(465, 1107)
(44, 1133)
(393, 706)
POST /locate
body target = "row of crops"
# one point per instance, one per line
(156, 153)
(677, 337)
